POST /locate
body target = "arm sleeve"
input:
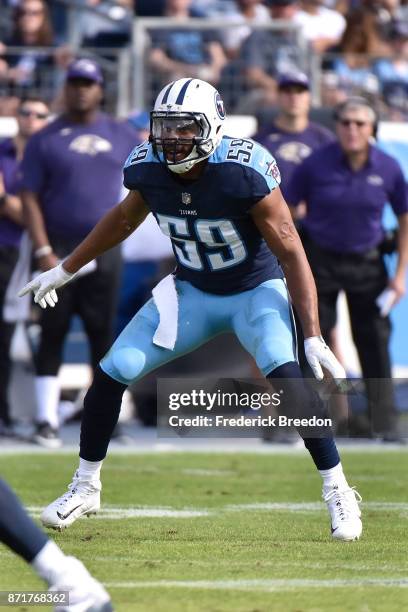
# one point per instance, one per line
(252, 54)
(133, 169)
(33, 168)
(261, 177)
(131, 178)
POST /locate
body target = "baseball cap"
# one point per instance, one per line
(85, 68)
(293, 78)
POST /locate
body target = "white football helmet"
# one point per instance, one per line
(186, 124)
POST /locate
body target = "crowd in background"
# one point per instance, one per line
(359, 47)
(362, 48)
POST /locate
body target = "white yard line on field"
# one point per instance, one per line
(149, 445)
(228, 563)
(120, 512)
(311, 506)
(268, 585)
(202, 472)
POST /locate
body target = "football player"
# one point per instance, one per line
(60, 572)
(218, 200)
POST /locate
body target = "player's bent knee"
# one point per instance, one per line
(269, 355)
(129, 362)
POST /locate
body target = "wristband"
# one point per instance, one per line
(42, 251)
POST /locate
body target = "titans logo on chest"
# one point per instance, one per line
(186, 201)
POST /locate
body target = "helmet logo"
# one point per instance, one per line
(219, 105)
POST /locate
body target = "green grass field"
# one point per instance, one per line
(223, 532)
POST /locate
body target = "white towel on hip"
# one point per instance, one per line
(166, 300)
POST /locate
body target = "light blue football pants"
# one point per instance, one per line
(261, 318)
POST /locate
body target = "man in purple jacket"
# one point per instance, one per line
(72, 174)
(32, 115)
(345, 186)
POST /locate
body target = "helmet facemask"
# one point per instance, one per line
(180, 139)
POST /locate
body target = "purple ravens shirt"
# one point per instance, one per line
(10, 232)
(290, 149)
(76, 171)
(345, 207)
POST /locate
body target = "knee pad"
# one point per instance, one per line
(129, 362)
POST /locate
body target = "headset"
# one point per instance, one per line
(353, 101)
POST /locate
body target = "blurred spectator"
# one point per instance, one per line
(395, 95)
(385, 13)
(267, 53)
(394, 69)
(386, 10)
(32, 28)
(402, 12)
(346, 186)
(209, 8)
(291, 136)
(59, 19)
(245, 12)
(140, 121)
(179, 52)
(108, 25)
(360, 44)
(322, 27)
(201, 8)
(72, 173)
(149, 8)
(331, 90)
(32, 116)
(342, 6)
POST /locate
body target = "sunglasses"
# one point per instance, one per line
(348, 122)
(25, 112)
(30, 13)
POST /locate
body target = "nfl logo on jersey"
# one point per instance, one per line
(186, 198)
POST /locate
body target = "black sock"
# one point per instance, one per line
(17, 530)
(303, 401)
(101, 413)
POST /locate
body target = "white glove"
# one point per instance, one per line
(44, 285)
(318, 354)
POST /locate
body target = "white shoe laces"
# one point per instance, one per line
(345, 501)
(73, 489)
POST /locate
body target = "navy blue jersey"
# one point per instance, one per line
(217, 245)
